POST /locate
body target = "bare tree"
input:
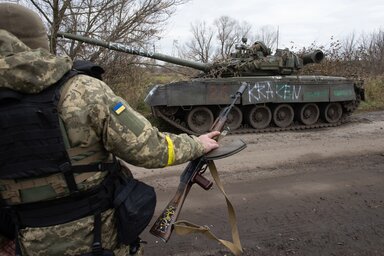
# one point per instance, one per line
(268, 35)
(372, 47)
(200, 47)
(225, 34)
(53, 13)
(349, 47)
(243, 29)
(229, 32)
(127, 21)
(134, 22)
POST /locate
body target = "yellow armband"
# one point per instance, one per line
(171, 151)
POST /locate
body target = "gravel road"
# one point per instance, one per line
(317, 192)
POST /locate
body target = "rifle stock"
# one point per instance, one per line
(163, 226)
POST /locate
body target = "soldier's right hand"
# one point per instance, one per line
(208, 142)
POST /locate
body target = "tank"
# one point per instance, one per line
(276, 98)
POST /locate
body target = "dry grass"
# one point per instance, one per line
(374, 94)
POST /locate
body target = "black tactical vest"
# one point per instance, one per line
(31, 140)
(31, 144)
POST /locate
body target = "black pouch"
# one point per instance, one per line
(134, 203)
(7, 226)
(101, 253)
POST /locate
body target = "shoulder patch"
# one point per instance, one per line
(127, 117)
(119, 108)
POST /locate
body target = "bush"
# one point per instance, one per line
(374, 94)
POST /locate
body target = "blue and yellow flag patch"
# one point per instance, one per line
(118, 108)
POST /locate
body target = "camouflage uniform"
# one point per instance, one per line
(86, 109)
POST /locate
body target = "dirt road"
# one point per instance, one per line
(296, 193)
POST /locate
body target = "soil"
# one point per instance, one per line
(317, 192)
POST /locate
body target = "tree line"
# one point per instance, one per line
(213, 42)
(140, 23)
(355, 55)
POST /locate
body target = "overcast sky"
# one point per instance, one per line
(299, 21)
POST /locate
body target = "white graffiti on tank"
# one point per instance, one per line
(262, 91)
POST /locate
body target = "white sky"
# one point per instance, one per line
(300, 21)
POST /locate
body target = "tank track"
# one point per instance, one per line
(247, 130)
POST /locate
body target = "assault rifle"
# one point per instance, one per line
(192, 174)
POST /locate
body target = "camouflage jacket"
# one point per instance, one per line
(92, 115)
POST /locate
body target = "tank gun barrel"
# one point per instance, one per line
(313, 57)
(136, 51)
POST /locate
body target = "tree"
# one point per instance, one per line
(200, 47)
(229, 32)
(133, 22)
(372, 48)
(127, 21)
(53, 12)
(268, 35)
(349, 46)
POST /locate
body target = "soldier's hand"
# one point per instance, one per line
(208, 142)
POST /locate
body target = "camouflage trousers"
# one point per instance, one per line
(72, 238)
(7, 248)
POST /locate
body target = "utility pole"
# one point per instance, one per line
(277, 38)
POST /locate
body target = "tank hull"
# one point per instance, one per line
(269, 101)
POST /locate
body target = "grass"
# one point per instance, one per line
(374, 94)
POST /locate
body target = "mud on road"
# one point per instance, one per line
(318, 192)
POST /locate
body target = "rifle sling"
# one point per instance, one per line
(183, 227)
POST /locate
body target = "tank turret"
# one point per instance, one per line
(257, 60)
(254, 60)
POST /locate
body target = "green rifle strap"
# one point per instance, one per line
(184, 227)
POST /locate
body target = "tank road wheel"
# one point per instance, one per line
(235, 118)
(200, 119)
(259, 117)
(309, 114)
(169, 111)
(332, 112)
(283, 115)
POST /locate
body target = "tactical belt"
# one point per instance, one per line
(77, 205)
(64, 210)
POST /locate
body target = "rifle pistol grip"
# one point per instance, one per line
(202, 181)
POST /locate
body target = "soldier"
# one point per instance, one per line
(95, 126)
(260, 50)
